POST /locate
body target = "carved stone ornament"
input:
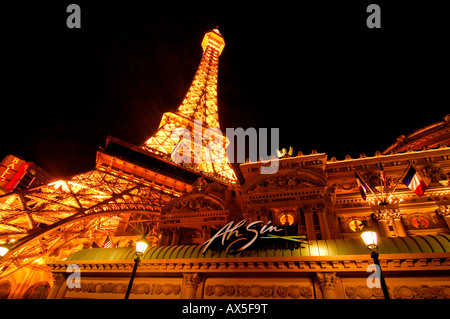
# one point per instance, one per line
(435, 173)
(327, 281)
(120, 288)
(58, 279)
(259, 291)
(199, 185)
(422, 292)
(372, 178)
(346, 187)
(423, 220)
(363, 292)
(444, 210)
(386, 213)
(220, 290)
(193, 202)
(191, 280)
(400, 292)
(286, 181)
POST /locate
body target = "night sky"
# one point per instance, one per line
(312, 69)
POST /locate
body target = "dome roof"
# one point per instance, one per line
(431, 136)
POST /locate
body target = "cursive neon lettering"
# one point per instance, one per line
(235, 234)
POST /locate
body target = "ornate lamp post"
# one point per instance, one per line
(141, 246)
(371, 241)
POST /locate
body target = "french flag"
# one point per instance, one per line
(384, 177)
(415, 181)
(361, 186)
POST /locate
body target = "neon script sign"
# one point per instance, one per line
(233, 236)
(236, 238)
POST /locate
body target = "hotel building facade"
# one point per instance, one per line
(291, 234)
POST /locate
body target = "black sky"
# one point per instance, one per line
(312, 69)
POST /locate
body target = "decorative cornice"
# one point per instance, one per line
(350, 263)
(406, 156)
(401, 199)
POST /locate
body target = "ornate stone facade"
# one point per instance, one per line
(258, 291)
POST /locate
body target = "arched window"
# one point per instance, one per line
(39, 290)
(5, 289)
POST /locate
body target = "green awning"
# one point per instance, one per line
(330, 247)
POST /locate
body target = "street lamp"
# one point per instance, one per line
(371, 241)
(141, 246)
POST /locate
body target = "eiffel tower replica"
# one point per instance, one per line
(124, 194)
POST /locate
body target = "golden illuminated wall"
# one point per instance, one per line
(31, 282)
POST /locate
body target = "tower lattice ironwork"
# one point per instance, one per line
(86, 207)
(198, 114)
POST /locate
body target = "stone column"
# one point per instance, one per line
(398, 224)
(327, 283)
(310, 229)
(175, 236)
(62, 291)
(167, 237)
(301, 221)
(59, 282)
(444, 212)
(384, 228)
(190, 285)
(447, 219)
(163, 239)
(384, 219)
(321, 213)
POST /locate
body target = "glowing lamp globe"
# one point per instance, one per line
(141, 246)
(370, 239)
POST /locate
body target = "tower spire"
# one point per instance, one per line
(200, 102)
(198, 109)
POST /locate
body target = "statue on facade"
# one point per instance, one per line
(284, 153)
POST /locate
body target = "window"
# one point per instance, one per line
(39, 290)
(5, 289)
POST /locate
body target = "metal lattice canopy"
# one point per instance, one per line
(88, 205)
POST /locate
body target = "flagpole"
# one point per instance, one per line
(401, 178)
(381, 183)
(378, 199)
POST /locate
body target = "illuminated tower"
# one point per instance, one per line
(123, 196)
(197, 113)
